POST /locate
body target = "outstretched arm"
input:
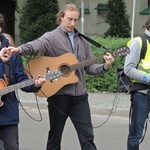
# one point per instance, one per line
(14, 50)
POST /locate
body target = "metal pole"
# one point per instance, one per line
(133, 17)
(82, 16)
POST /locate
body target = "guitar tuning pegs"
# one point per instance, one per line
(48, 70)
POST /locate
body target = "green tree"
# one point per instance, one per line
(117, 19)
(37, 17)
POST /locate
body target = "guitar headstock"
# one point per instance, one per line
(52, 75)
(122, 51)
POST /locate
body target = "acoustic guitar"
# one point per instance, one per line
(51, 76)
(67, 64)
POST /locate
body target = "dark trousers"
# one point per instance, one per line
(77, 108)
(9, 137)
(139, 114)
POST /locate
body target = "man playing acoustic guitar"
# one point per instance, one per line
(72, 99)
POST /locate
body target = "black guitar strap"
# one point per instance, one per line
(7, 71)
(144, 38)
(94, 43)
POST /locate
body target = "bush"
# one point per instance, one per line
(109, 80)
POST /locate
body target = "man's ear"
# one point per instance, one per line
(0, 29)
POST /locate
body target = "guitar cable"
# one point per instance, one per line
(37, 104)
(112, 110)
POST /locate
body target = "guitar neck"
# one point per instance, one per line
(119, 52)
(14, 87)
(86, 63)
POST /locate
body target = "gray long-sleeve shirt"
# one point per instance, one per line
(132, 60)
(56, 43)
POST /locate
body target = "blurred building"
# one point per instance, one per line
(95, 14)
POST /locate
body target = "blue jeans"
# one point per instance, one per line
(139, 114)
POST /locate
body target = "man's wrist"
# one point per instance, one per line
(19, 50)
(104, 68)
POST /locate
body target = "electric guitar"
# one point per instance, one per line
(67, 64)
(7, 89)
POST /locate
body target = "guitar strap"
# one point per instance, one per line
(7, 71)
(94, 43)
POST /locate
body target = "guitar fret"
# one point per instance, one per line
(86, 63)
(11, 88)
(120, 52)
(49, 76)
(26, 83)
(8, 90)
(16, 86)
(5, 91)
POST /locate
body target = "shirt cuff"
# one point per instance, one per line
(105, 69)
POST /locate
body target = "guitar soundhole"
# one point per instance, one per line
(65, 70)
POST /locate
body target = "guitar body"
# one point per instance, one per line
(41, 65)
(2, 85)
(66, 64)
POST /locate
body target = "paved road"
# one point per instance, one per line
(111, 136)
(101, 103)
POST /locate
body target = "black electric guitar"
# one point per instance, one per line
(67, 64)
(51, 76)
